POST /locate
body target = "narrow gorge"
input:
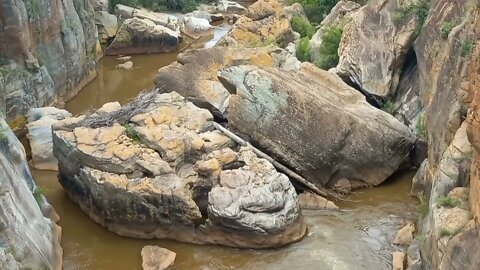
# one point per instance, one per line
(271, 134)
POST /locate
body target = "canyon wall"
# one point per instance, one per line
(47, 53)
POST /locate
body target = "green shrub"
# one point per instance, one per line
(418, 10)
(158, 5)
(303, 53)
(389, 106)
(446, 201)
(316, 10)
(132, 133)
(466, 47)
(445, 29)
(302, 26)
(422, 208)
(421, 130)
(328, 50)
(447, 232)
(38, 193)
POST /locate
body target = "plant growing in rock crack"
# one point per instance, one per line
(446, 201)
(419, 10)
(132, 133)
(328, 50)
(303, 53)
(446, 28)
(422, 208)
(38, 193)
(389, 107)
(466, 47)
(421, 130)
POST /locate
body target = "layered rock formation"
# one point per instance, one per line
(175, 177)
(48, 53)
(29, 237)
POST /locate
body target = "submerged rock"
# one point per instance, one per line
(127, 65)
(157, 258)
(175, 175)
(40, 121)
(29, 237)
(143, 36)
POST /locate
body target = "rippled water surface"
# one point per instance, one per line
(359, 237)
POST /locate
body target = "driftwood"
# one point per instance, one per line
(293, 175)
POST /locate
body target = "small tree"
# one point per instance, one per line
(328, 50)
(303, 54)
(302, 26)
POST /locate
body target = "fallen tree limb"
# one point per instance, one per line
(293, 175)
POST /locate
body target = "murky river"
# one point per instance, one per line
(359, 237)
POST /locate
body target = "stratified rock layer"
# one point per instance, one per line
(168, 174)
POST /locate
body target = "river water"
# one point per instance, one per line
(358, 237)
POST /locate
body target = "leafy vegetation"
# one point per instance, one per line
(446, 201)
(422, 208)
(132, 133)
(466, 47)
(303, 53)
(418, 10)
(317, 10)
(159, 5)
(302, 26)
(3, 134)
(38, 193)
(389, 106)
(446, 28)
(328, 50)
(421, 130)
(447, 232)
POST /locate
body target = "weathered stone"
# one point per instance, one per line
(230, 7)
(263, 24)
(40, 121)
(107, 26)
(157, 258)
(29, 235)
(405, 235)
(196, 25)
(398, 260)
(109, 107)
(311, 201)
(127, 65)
(176, 177)
(373, 33)
(360, 142)
(143, 36)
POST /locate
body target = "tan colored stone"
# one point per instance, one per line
(109, 134)
(85, 135)
(398, 260)
(157, 258)
(209, 168)
(405, 235)
(308, 200)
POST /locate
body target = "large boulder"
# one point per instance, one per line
(40, 121)
(163, 19)
(374, 44)
(230, 7)
(266, 22)
(175, 176)
(143, 36)
(315, 123)
(196, 25)
(30, 238)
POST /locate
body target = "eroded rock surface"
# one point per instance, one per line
(157, 258)
(175, 176)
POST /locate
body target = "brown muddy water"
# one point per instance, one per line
(358, 237)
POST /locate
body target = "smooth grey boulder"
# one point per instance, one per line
(316, 124)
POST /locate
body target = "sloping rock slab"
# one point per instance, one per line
(165, 173)
(316, 124)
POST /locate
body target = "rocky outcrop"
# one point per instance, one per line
(290, 114)
(448, 74)
(194, 75)
(163, 19)
(266, 22)
(175, 175)
(40, 121)
(29, 236)
(49, 56)
(375, 33)
(107, 26)
(143, 36)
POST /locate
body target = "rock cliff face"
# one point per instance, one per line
(29, 237)
(47, 53)
(449, 75)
